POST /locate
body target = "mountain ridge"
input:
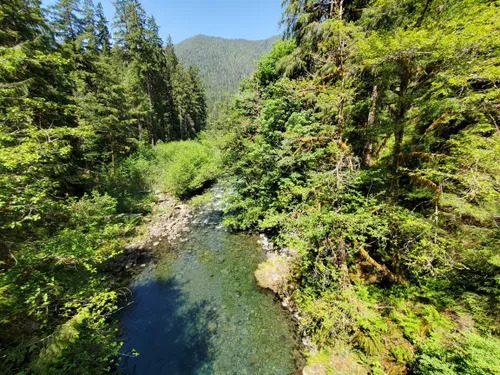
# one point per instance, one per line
(223, 38)
(223, 62)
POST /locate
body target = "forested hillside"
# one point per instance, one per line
(223, 63)
(74, 102)
(368, 142)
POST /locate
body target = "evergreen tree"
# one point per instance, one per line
(67, 24)
(171, 57)
(103, 34)
(147, 73)
(189, 102)
(37, 128)
(104, 109)
(89, 22)
(20, 21)
(198, 104)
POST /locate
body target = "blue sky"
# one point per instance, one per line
(247, 19)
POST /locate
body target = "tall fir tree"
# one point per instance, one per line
(66, 21)
(102, 31)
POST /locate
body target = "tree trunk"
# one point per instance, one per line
(399, 127)
(113, 160)
(368, 149)
(382, 268)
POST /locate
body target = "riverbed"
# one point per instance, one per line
(197, 309)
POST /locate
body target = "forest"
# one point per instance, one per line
(75, 102)
(223, 63)
(367, 141)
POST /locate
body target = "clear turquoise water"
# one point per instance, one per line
(197, 310)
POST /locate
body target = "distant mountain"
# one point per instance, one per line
(223, 62)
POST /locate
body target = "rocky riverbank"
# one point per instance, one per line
(168, 222)
(276, 274)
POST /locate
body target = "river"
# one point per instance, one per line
(198, 311)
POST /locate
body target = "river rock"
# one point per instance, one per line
(338, 364)
(315, 369)
(273, 273)
(267, 245)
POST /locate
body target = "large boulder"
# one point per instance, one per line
(316, 369)
(273, 273)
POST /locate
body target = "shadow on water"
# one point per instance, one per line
(170, 336)
(198, 311)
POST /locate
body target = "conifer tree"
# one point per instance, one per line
(66, 21)
(147, 75)
(170, 55)
(198, 104)
(102, 32)
(37, 128)
(89, 22)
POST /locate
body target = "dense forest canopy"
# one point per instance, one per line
(223, 63)
(368, 141)
(72, 101)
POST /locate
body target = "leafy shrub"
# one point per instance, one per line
(178, 168)
(329, 318)
(184, 167)
(468, 354)
(55, 290)
(92, 209)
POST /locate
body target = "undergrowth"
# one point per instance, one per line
(180, 169)
(58, 299)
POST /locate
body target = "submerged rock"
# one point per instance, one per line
(267, 245)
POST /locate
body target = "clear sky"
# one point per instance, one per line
(247, 19)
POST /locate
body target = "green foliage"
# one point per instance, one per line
(267, 70)
(72, 340)
(328, 318)
(469, 354)
(188, 167)
(92, 209)
(72, 112)
(189, 101)
(178, 168)
(368, 142)
(57, 285)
